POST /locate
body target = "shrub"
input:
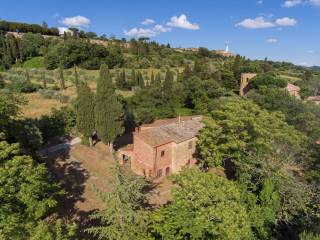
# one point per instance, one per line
(35, 62)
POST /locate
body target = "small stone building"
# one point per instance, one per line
(163, 147)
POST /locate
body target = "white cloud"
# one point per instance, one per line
(256, 23)
(148, 21)
(292, 3)
(315, 2)
(147, 32)
(182, 22)
(259, 1)
(285, 21)
(311, 51)
(159, 28)
(272, 40)
(77, 21)
(140, 32)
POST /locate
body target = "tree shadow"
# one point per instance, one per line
(72, 177)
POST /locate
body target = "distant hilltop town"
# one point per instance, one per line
(222, 52)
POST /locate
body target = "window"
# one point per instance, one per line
(159, 173)
(167, 171)
(150, 173)
(162, 153)
(144, 172)
(190, 145)
(189, 162)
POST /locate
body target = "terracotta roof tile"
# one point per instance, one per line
(170, 130)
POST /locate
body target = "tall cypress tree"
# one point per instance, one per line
(44, 79)
(168, 86)
(85, 111)
(187, 73)
(133, 78)
(152, 79)
(108, 109)
(27, 76)
(76, 77)
(2, 83)
(62, 83)
(140, 80)
(157, 81)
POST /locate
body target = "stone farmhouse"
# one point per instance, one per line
(163, 147)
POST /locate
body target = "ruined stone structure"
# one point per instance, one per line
(163, 147)
(293, 90)
(314, 99)
(244, 82)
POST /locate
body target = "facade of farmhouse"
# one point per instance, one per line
(163, 147)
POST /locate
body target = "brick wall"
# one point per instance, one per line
(143, 157)
(183, 154)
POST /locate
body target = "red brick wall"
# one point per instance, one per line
(143, 157)
(182, 155)
(164, 162)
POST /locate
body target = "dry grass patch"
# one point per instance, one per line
(37, 105)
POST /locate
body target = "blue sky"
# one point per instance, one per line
(277, 29)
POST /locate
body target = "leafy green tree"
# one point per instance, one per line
(203, 206)
(85, 112)
(124, 217)
(26, 193)
(260, 145)
(54, 231)
(108, 109)
(236, 68)
(228, 80)
(268, 79)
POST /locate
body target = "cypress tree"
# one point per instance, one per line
(108, 109)
(76, 77)
(121, 80)
(62, 83)
(44, 79)
(197, 67)
(152, 79)
(85, 112)
(2, 83)
(27, 76)
(157, 82)
(187, 73)
(133, 77)
(168, 85)
(140, 80)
